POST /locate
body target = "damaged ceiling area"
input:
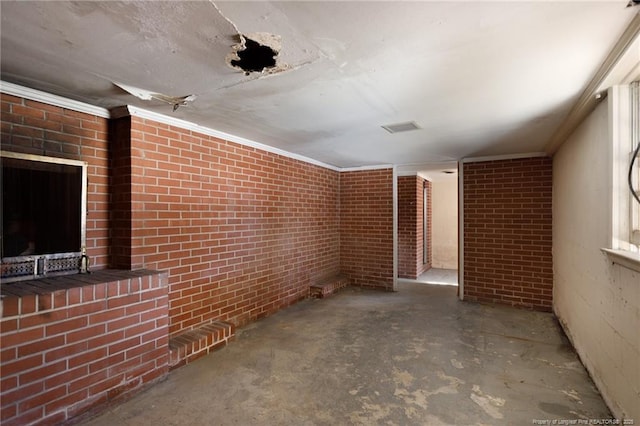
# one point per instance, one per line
(255, 53)
(321, 79)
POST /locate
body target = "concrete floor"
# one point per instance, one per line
(439, 276)
(360, 357)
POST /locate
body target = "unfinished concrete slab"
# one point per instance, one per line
(415, 357)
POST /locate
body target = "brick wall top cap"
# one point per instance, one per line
(50, 285)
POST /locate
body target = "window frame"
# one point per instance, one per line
(620, 249)
(634, 206)
(25, 267)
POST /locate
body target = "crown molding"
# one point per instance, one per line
(55, 100)
(130, 110)
(134, 111)
(407, 173)
(503, 157)
(592, 93)
(364, 168)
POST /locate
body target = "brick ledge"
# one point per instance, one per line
(193, 344)
(328, 286)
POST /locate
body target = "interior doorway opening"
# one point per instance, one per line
(427, 226)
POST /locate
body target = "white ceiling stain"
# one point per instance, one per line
(480, 78)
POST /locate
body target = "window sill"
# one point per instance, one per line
(624, 258)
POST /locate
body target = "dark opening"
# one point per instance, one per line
(255, 57)
(41, 207)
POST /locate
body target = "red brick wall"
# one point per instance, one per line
(366, 227)
(410, 226)
(507, 232)
(241, 231)
(68, 351)
(407, 226)
(121, 208)
(35, 128)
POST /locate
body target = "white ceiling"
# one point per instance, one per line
(479, 78)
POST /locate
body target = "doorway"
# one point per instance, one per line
(428, 226)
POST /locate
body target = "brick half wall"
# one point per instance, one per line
(507, 232)
(74, 343)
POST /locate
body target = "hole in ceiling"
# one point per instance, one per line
(449, 172)
(255, 57)
(401, 127)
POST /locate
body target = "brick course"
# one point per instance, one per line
(507, 232)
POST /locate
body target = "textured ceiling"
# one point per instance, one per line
(478, 78)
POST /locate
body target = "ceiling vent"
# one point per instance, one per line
(401, 127)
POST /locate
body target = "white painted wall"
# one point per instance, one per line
(597, 302)
(444, 210)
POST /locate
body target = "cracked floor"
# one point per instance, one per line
(415, 357)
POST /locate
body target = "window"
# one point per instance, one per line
(43, 215)
(633, 174)
(623, 103)
(623, 107)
